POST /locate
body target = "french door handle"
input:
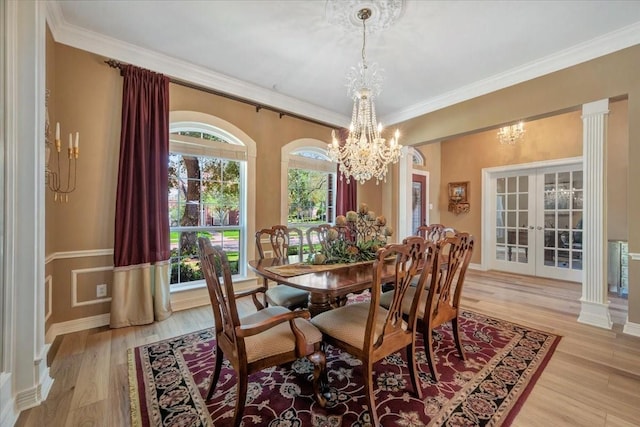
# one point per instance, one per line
(538, 228)
(531, 227)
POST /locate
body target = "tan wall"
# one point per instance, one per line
(464, 158)
(618, 171)
(87, 99)
(550, 138)
(609, 76)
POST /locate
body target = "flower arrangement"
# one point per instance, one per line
(356, 237)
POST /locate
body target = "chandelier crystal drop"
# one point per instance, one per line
(364, 154)
(511, 134)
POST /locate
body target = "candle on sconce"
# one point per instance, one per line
(77, 139)
(57, 131)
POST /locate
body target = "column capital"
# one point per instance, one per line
(596, 107)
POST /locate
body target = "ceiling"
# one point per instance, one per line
(288, 55)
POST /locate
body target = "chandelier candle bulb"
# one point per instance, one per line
(77, 139)
(70, 141)
(57, 131)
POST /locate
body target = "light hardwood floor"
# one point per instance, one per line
(593, 378)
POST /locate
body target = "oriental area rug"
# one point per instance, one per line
(169, 378)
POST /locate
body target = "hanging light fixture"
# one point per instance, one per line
(365, 154)
(511, 134)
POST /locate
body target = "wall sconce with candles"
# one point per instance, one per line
(53, 176)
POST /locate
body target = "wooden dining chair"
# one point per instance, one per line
(320, 233)
(272, 336)
(442, 303)
(281, 239)
(440, 297)
(370, 332)
(434, 232)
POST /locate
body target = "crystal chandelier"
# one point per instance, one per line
(365, 154)
(511, 134)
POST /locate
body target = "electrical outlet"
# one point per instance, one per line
(101, 290)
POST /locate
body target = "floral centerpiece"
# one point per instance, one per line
(356, 237)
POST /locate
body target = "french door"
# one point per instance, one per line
(537, 221)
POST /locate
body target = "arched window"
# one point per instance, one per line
(208, 189)
(418, 158)
(309, 182)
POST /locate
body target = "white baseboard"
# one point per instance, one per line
(76, 325)
(631, 328)
(8, 411)
(474, 266)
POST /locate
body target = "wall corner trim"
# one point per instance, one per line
(631, 328)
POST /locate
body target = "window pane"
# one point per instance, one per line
(309, 197)
(204, 193)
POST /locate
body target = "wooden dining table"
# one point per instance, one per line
(328, 285)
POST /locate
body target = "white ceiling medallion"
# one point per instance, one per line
(344, 13)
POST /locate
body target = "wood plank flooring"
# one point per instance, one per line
(593, 379)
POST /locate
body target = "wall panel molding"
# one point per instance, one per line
(74, 286)
(77, 254)
(48, 288)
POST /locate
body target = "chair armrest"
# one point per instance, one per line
(256, 328)
(253, 292)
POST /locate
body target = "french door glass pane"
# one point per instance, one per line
(512, 219)
(563, 219)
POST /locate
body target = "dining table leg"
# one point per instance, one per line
(319, 303)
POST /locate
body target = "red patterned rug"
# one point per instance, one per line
(169, 378)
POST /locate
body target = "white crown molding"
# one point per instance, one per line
(80, 38)
(631, 328)
(77, 254)
(600, 46)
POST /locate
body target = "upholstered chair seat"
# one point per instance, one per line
(281, 240)
(287, 296)
(348, 324)
(278, 339)
(387, 297)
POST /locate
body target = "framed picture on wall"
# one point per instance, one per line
(459, 197)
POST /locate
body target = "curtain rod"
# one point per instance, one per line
(119, 65)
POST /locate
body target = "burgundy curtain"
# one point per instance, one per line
(346, 194)
(142, 210)
(141, 247)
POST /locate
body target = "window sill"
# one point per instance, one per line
(238, 283)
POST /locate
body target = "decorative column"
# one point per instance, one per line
(594, 308)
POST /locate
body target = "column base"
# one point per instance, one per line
(595, 314)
